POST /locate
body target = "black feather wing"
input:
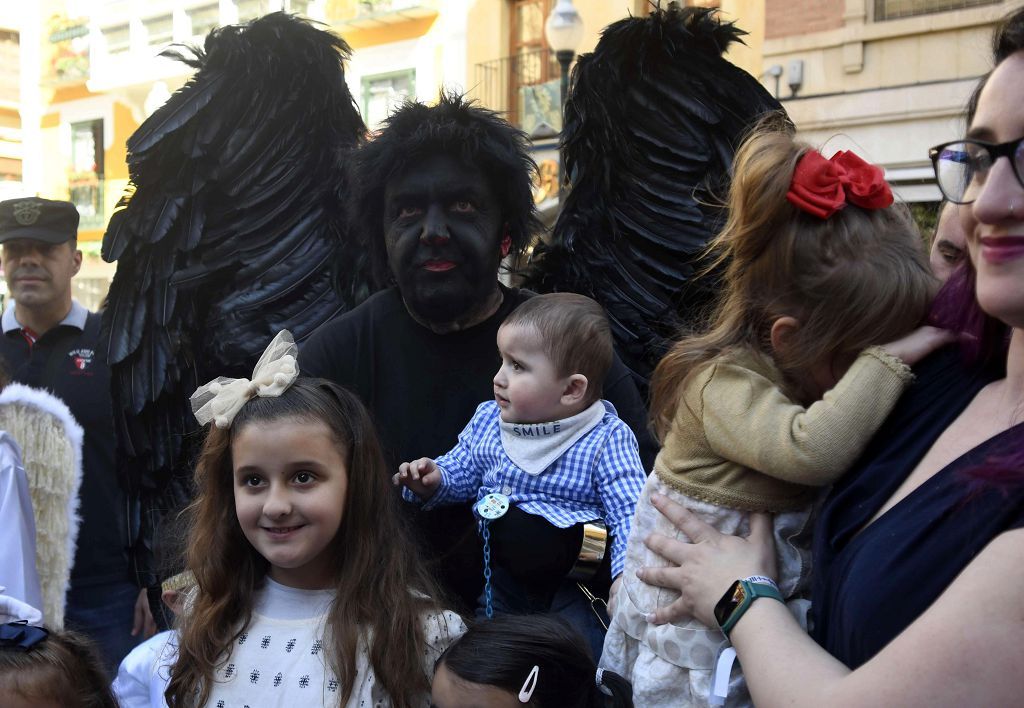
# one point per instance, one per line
(652, 121)
(228, 230)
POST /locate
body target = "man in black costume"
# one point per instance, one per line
(439, 199)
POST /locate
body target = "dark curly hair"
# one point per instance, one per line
(454, 126)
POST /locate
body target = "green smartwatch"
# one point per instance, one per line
(739, 597)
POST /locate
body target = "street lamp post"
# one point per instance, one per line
(564, 32)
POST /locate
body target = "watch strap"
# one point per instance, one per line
(761, 580)
(751, 592)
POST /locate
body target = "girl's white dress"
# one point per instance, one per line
(280, 660)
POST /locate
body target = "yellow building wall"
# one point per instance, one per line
(748, 16)
(489, 39)
(868, 55)
(10, 118)
(359, 38)
(54, 158)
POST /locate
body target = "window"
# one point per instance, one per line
(160, 30)
(85, 183)
(204, 19)
(118, 39)
(532, 61)
(251, 9)
(894, 9)
(383, 93)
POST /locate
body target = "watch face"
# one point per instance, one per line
(732, 599)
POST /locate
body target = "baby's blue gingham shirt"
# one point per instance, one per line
(600, 476)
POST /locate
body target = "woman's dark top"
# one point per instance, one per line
(869, 586)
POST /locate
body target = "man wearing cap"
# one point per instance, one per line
(51, 341)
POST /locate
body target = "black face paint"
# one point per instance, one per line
(442, 231)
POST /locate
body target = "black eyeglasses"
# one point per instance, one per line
(961, 166)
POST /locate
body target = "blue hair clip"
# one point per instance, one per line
(21, 636)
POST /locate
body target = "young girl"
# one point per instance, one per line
(784, 390)
(42, 669)
(307, 591)
(532, 660)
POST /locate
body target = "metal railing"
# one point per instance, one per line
(520, 87)
(86, 193)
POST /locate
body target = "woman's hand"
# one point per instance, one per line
(705, 568)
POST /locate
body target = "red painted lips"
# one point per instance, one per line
(999, 249)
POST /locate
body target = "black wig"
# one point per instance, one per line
(454, 126)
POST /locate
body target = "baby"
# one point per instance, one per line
(544, 457)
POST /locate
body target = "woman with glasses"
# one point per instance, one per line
(918, 577)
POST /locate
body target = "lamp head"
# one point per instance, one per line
(564, 27)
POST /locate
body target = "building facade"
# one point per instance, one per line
(81, 75)
(887, 78)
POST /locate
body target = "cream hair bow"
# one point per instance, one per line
(221, 399)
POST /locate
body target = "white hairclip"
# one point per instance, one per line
(221, 399)
(529, 685)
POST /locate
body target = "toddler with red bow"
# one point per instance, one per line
(824, 285)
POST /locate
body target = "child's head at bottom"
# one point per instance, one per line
(531, 660)
(50, 670)
(556, 350)
(295, 488)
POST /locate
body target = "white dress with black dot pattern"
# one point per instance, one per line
(280, 660)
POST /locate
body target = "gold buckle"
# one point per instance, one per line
(593, 547)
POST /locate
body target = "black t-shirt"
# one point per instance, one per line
(65, 361)
(422, 388)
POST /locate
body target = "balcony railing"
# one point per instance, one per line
(85, 191)
(524, 87)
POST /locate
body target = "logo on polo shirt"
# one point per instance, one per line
(27, 212)
(82, 358)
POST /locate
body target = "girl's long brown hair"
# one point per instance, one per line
(381, 587)
(855, 279)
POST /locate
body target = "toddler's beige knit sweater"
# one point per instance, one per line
(737, 441)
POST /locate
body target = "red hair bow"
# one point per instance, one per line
(822, 187)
